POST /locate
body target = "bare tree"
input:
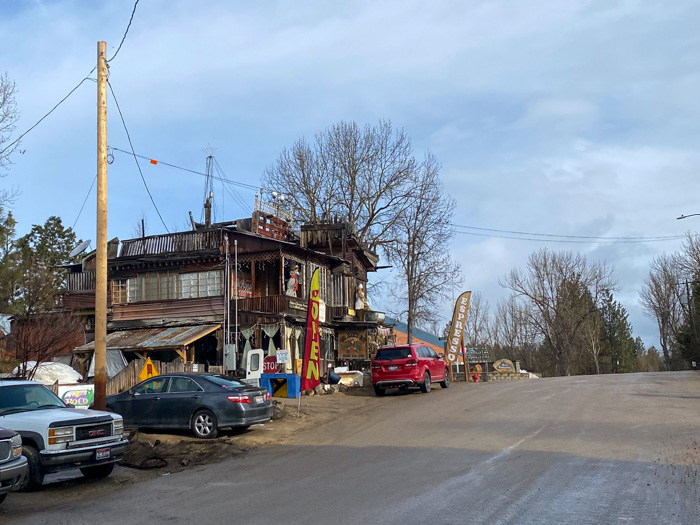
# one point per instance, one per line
(141, 227)
(41, 337)
(419, 249)
(660, 298)
(510, 327)
(361, 175)
(592, 333)
(563, 290)
(8, 119)
(477, 332)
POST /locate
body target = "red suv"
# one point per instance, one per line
(406, 366)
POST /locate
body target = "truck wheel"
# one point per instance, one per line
(445, 383)
(204, 424)
(36, 476)
(425, 385)
(100, 471)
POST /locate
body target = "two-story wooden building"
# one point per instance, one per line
(182, 296)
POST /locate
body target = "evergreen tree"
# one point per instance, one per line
(687, 337)
(618, 335)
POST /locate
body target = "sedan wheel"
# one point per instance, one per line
(204, 424)
(425, 386)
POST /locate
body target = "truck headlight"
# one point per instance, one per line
(16, 442)
(60, 435)
(118, 427)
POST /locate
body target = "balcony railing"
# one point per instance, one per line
(81, 282)
(283, 304)
(196, 241)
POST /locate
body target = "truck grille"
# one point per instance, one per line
(5, 450)
(93, 432)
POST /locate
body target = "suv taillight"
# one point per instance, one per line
(412, 362)
(376, 366)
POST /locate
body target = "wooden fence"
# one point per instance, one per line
(129, 376)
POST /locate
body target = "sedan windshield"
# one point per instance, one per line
(23, 398)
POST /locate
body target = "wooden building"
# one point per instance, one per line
(248, 277)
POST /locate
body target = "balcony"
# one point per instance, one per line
(195, 241)
(283, 304)
(273, 304)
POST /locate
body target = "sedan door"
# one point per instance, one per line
(184, 395)
(141, 409)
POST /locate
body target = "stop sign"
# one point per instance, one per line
(270, 365)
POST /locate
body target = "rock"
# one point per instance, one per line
(186, 460)
(319, 389)
(279, 411)
(310, 392)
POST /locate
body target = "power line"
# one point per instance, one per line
(51, 111)
(157, 162)
(135, 159)
(125, 32)
(600, 240)
(640, 239)
(86, 198)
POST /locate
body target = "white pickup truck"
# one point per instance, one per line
(56, 436)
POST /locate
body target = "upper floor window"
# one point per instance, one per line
(162, 286)
(201, 284)
(120, 288)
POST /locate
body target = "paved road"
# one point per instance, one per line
(583, 450)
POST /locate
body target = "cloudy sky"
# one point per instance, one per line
(574, 117)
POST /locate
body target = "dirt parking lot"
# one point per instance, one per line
(153, 455)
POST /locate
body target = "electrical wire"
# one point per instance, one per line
(135, 159)
(86, 198)
(595, 240)
(652, 238)
(153, 161)
(125, 32)
(51, 111)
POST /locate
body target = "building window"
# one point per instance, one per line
(120, 289)
(200, 284)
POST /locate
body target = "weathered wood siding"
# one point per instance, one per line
(200, 307)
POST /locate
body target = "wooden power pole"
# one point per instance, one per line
(101, 256)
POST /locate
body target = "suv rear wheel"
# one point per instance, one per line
(425, 385)
(379, 391)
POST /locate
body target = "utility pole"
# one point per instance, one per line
(101, 256)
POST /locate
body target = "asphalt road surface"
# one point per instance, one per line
(608, 449)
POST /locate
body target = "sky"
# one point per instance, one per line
(576, 118)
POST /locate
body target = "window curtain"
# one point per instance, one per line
(247, 333)
(270, 331)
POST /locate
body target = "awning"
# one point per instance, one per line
(152, 338)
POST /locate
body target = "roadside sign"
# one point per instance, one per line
(148, 370)
(283, 356)
(270, 365)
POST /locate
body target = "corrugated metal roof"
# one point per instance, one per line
(153, 338)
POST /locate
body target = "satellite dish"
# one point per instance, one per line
(79, 249)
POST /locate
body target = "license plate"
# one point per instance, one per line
(393, 368)
(102, 453)
(259, 400)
